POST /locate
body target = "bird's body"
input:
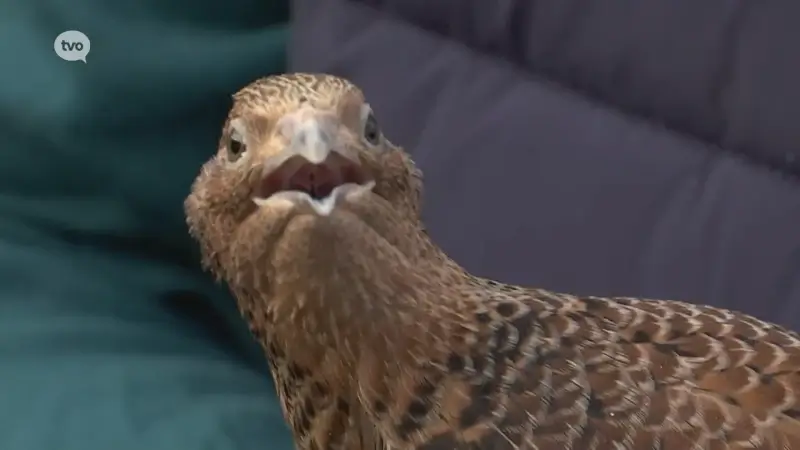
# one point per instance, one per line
(377, 340)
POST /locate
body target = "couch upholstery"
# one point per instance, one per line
(633, 148)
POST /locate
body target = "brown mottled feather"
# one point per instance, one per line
(377, 340)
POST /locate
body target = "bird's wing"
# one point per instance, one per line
(593, 373)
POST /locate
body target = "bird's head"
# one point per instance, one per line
(296, 145)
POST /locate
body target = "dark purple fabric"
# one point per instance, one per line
(624, 148)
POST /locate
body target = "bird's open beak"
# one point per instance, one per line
(315, 168)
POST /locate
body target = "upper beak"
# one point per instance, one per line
(312, 138)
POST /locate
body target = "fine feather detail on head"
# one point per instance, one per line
(288, 134)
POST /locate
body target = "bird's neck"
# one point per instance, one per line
(359, 306)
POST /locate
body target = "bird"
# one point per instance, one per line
(376, 339)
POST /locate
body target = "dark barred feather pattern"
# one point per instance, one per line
(378, 341)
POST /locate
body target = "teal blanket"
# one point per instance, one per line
(110, 335)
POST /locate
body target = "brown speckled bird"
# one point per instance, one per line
(377, 340)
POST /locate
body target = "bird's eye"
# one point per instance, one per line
(372, 132)
(236, 146)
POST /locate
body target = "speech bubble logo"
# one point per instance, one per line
(72, 45)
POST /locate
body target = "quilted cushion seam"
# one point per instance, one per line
(526, 73)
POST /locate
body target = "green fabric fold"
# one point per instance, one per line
(110, 335)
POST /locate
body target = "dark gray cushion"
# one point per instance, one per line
(629, 148)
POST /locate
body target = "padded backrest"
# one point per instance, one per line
(637, 148)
